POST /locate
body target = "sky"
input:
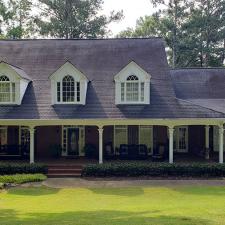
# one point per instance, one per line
(133, 9)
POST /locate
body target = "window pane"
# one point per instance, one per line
(142, 92)
(122, 92)
(78, 91)
(4, 92)
(68, 89)
(3, 136)
(132, 92)
(13, 92)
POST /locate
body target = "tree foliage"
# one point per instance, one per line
(74, 18)
(194, 31)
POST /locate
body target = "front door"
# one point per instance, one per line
(73, 141)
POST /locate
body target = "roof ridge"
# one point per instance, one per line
(198, 68)
(83, 39)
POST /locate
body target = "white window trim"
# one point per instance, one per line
(125, 127)
(11, 102)
(143, 77)
(61, 92)
(81, 139)
(176, 139)
(68, 69)
(139, 92)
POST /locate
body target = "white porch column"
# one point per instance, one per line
(100, 135)
(171, 131)
(207, 137)
(221, 132)
(32, 131)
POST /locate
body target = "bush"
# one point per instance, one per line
(14, 168)
(22, 178)
(134, 169)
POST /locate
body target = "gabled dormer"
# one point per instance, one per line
(132, 85)
(68, 85)
(13, 84)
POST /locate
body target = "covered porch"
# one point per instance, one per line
(124, 140)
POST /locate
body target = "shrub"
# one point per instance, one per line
(22, 178)
(152, 169)
(14, 168)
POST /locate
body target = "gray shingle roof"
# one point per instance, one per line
(100, 61)
(203, 87)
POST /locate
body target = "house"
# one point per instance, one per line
(117, 95)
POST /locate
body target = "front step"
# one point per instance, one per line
(63, 170)
(64, 175)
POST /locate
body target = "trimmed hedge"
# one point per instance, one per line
(152, 169)
(21, 178)
(14, 168)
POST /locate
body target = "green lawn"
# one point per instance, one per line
(112, 206)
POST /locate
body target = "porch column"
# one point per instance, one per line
(32, 131)
(207, 137)
(171, 131)
(207, 141)
(221, 132)
(100, 135)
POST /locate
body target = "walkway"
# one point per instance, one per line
(118, 183)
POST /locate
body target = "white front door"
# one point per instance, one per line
(181, 139)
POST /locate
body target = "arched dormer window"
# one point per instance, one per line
(132, 90)
(7, 90)
(68, 85)
(132, 85)
(68, 90)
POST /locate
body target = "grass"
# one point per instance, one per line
(113, 206)
(22, 178)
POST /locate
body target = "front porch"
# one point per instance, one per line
(93, 144)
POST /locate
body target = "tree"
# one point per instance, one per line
(74, 18)
(2, 16)
(19, 19)
(206, 26)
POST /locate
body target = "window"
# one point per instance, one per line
(3, 135)
(68, 90)
(132, 90)
(67, 132)
(146, 137)
(24, 136)
(7, 90)
(120, 136)
(132, 85)
(134, 135)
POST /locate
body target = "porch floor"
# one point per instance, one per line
(178, 158)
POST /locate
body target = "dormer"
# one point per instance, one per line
(68, 85)
(13, 84)
(132, 85)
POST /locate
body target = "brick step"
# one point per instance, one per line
(64, 170)
(65, 167)
(63, 175)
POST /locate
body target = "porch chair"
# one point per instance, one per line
(159, 154)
